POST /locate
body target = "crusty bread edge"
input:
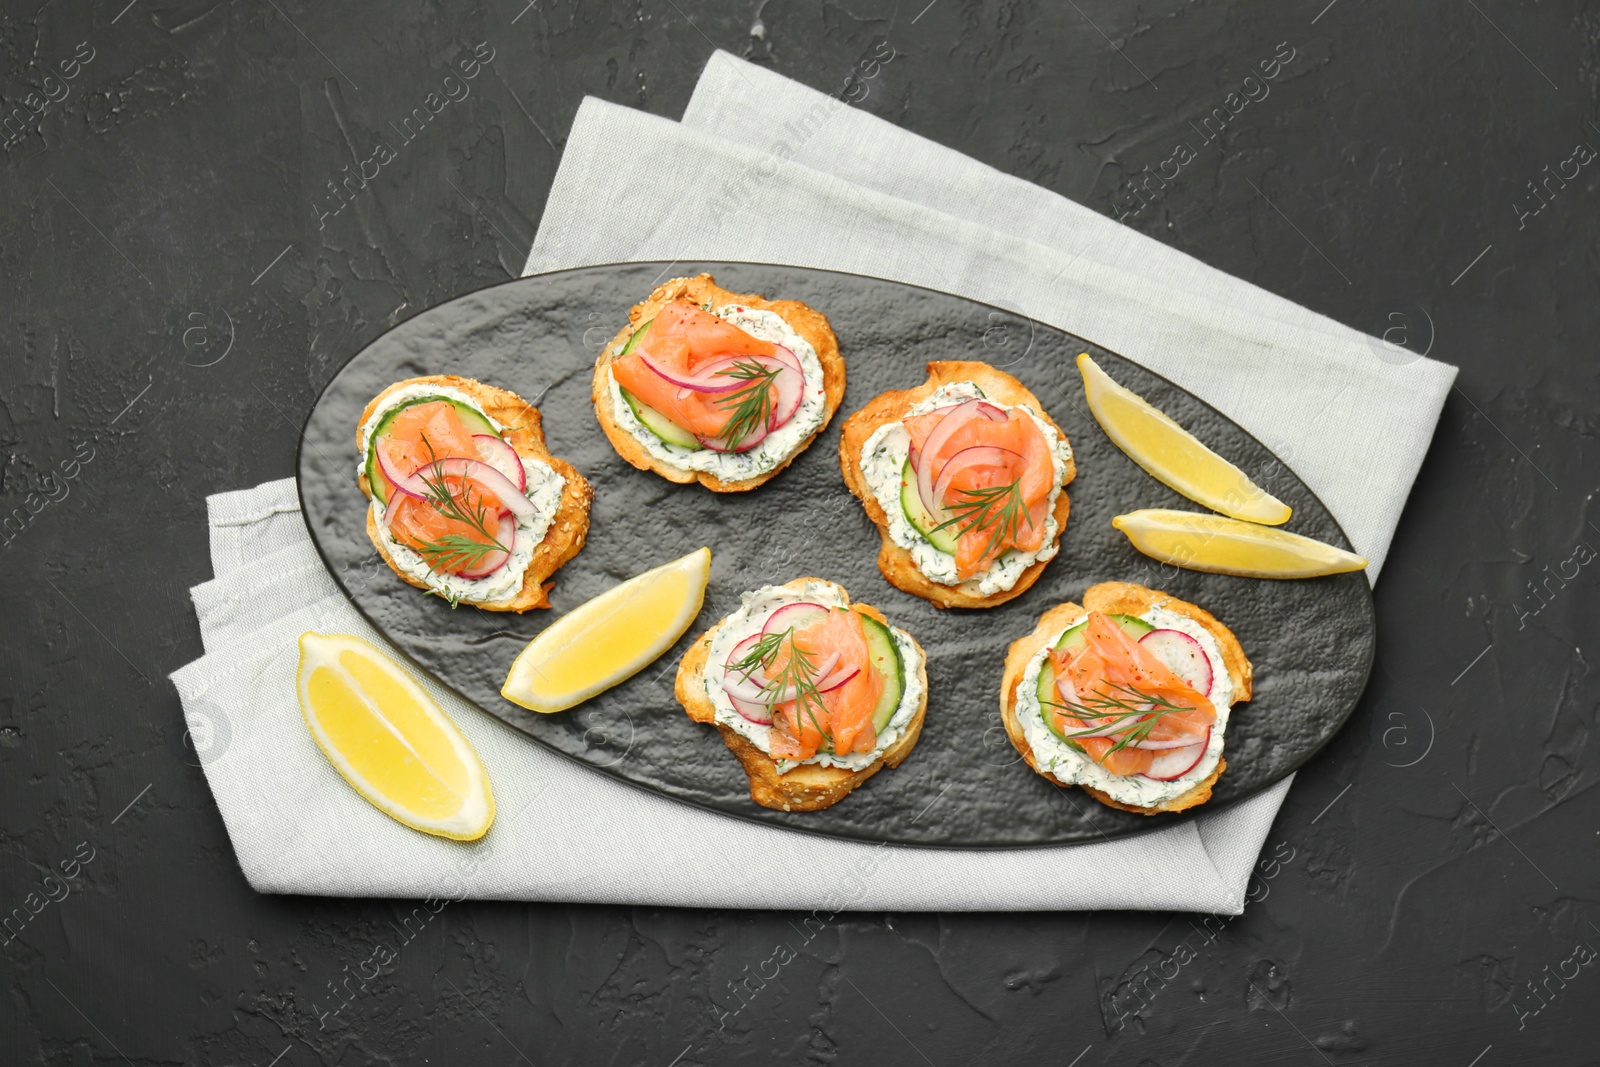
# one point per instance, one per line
(896, 563)
(1127, 599)
(808, 787)
(805, 321)
(525, 431)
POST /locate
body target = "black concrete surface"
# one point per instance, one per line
(177, 290)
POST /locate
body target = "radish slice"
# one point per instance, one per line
(953, 420)
(497, 452)
(708, 381)
(798, 616)
(966, 459)
(720, 444)
(752, 710)
(496, 559)
(1182, 655)
(791, 388)
(1177, 762)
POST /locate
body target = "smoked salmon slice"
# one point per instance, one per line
(416, 437)
(1111, 666)
(799, 727)
(686, 341)
(998, 498)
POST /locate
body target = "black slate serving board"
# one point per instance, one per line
(1311, 641)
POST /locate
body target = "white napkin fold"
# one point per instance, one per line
(810, 182)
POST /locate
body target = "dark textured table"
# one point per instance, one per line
(178, 287)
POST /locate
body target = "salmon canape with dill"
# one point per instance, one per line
(965, 477)
(812, 693)
(1126, 697)
(722, 388)
(466, 501)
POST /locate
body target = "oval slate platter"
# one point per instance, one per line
(1311, 641)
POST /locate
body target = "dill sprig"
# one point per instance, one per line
(455, 551)
(751, 403)
(1136, 714)
(999, 509)
(798, 672)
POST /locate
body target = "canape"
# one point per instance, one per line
(465, 499)
(718, 387)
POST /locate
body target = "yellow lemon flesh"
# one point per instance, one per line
(611, 638)
(1212, 543)
(390, 740)
(1172, 455)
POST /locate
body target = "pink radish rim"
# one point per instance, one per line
(1197, 652)
(494, 560)
(498, 453)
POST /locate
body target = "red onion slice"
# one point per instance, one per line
(497, 452)
(754, 686)
(957, 417)
(708, 381)
(790, 386)
(837, 678)
(503, 488)
(966, 459)
(405, 484)
(495, 559)
(1163, 746)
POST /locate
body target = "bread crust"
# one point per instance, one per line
(524, 429)
(1123, 598)
(808, 787)
(896, 562)
(700, 289)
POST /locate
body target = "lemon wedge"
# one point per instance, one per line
(1172, 455)
(611, 638)
(390, 740)
(1212, 543)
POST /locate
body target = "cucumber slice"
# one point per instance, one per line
(917, 515)
(654, 421)
(474, 420)
(1133, 627)
(634, 340)
(1073, 638)
(1047, 696)
(658, 424)
(884, 654)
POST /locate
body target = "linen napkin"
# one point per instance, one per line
(563, 832)
(804, 180)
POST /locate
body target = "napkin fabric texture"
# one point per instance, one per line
(764, 169)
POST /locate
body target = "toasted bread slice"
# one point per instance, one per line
(808, 787)
(895, 562)
(1122, 598)
(525, 431)
(702, 289)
